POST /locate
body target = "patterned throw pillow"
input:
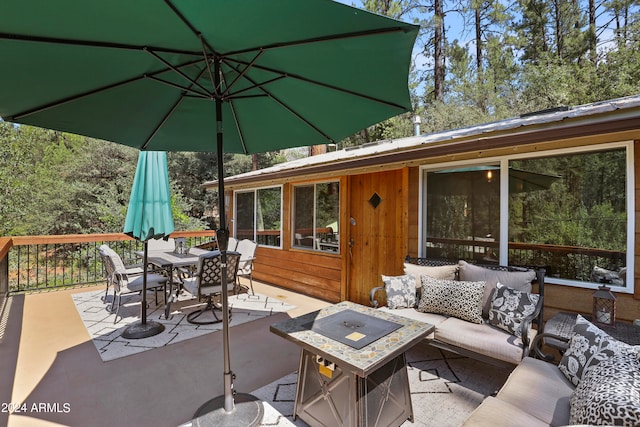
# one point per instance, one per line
(520, 280)
(401, 291)
(509, 306)
(609, 393)
(453, 298)
(588, 346)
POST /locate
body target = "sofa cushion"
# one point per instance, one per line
(589, 345)
(609, 393)
(497, 413)
(453, 298)
(520, 280)
(400, 290)
(447, 272)
(480, 338)
(412, 313)
(539, 388)
(509, 306)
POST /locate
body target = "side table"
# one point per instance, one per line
(562, 324)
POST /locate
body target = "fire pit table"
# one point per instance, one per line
(352, 365)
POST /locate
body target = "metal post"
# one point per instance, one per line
(230, 409)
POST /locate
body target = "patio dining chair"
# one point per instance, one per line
(247, 249)
(233, 244)
(131, 270)
(206, 283)
(126, 281)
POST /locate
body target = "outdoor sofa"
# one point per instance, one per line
(458, 299)
(597, 382)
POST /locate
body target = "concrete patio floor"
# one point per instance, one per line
(52, 373)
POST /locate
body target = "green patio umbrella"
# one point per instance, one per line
(169, 75)
(149, 216)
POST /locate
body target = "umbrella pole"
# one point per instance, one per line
(230, 409)
(143, 329)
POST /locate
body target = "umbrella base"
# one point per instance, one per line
(142, 330)
(248, 411)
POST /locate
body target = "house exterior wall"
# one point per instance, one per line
(326, 276)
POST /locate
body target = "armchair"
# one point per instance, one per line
(206, 283)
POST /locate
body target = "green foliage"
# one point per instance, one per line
(59, 183)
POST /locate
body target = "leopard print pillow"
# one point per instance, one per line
(609, 393)
(452, 297)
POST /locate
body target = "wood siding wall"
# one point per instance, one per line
(326, 276)
(309, 273)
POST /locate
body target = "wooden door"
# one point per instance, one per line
(377, 230)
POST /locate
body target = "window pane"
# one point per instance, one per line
(463, 213)
(576, 224)
(303, 216)
(268, 217)
(328, 216)
(245, 215)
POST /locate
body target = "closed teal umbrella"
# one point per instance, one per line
(241, 76)
(149, 216)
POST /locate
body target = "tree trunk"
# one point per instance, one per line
(593, 53)
(478, 24)
(438, 55)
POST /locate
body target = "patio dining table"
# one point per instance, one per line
(170, 262)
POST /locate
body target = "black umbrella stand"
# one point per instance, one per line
(231, 409)
(143, 329)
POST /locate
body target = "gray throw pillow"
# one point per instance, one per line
(589, 345)
(453, 298)
(520, 280)
(401, 291)
(509, 306)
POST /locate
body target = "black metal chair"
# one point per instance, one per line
(206, 284)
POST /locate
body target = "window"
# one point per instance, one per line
(258, 215)
(316, 215)
(463, 213)
(566, 211)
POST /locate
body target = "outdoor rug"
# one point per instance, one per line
(106, 334)
(445, 389)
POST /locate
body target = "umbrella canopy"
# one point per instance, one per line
(170, 75)
(140, 72)
(149, 214)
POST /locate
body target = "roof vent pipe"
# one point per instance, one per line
(416, 125)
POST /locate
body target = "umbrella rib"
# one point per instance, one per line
(166, 117)
(327, 38)
(238, 128)
(162, 122)
(286, 107)
(182, 88)
(227, 91)
(63, 101)
(91, 43)
(234, 95)
(207, 64)
(176, 70)
(315, 82)
(193, 29)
